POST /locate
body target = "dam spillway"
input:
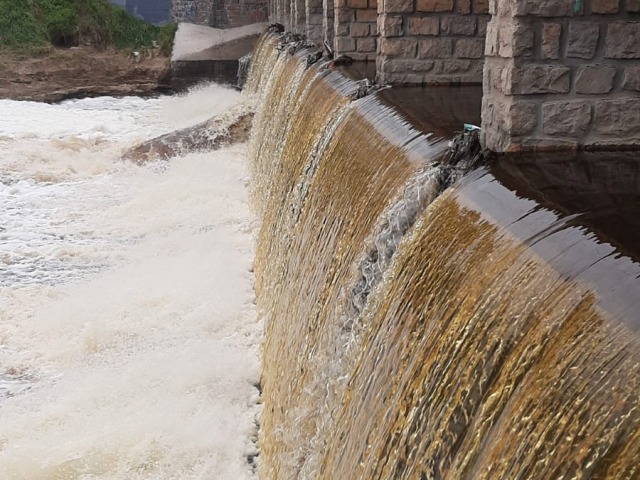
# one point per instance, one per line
(418, 330)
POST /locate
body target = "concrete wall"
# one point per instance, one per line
(562, 74)
(221, 13)
(431, 41)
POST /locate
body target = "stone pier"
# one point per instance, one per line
(562, 74)
(556, 74)
(432, 41)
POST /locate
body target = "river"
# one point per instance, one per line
(129, 340)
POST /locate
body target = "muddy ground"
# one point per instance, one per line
(59, 74)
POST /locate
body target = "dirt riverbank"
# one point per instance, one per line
(59, 74)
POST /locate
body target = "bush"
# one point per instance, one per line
(58, 18)
(18, 25)
(65, 23)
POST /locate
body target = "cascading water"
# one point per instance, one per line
(411, 335)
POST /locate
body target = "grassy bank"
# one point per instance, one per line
(33, 24)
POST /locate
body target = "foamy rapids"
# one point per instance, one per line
(128, 334)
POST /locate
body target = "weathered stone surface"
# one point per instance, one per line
(618, 117)
(407, 65)
(545, 8)
(360, 30)
(633, 6)
(492, 39)
(342, 30)
(434, 5)
(493, 78)
(345, 44)
(550, 47)
(623, 40)
(463, 7)
(605, 6)
(456, 70)
(458, 25)
(522, 118)
(366, 44)
(358, 3)
(571, 118)
(345, 15)
(595, 79)
(583, 39)
(469, 48)
(482, 25)
(435, 47)
(481, 7)
(631, 79)
(363, 56)
(455, 66)
(515, 40)
(369, 15)
(534, 79)
(404, 78)
(500, 8)
(508, 118)
(398, 47)
(390, 26)
(314, 19)
(424, 26)
(398, 6)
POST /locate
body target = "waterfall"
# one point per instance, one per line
(418, 325)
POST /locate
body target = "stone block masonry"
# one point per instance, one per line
(562, 74)
(355, 28)
(431, 41)
(220, 13)
(556, 74)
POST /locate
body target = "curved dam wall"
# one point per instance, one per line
(422, 324)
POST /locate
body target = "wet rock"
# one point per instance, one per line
(210, 135)
(275, 28)
(313, 58)
(366, 88)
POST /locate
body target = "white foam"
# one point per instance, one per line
(108, 118)
(128, 334)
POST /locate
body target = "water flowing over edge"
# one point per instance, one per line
(428, 363)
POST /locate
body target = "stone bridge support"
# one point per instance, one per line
(314, 21)
(556, 74)
(431, 41)
(299, 16)
(328, 28)
(562, 74)
(355, 28)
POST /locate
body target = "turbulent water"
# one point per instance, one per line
(415, 331)
(128, 334)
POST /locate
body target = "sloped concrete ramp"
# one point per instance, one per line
(203, 53)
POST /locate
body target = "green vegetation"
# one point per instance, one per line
(27, 24)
